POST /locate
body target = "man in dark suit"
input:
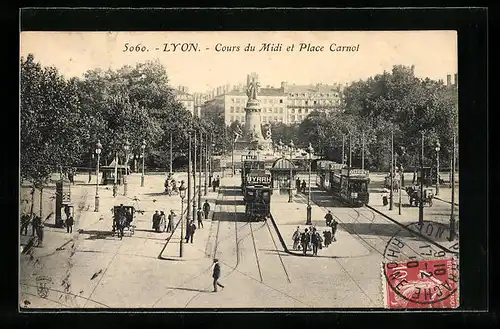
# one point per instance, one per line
(206, 209)
(216, 275)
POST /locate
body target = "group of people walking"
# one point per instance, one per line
(36, 227)
(311, 240)
(301, 187)
(161, 223)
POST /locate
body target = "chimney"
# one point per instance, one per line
(448, 79)
(456, 79)
(283, 85)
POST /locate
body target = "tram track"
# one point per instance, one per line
(238, 240)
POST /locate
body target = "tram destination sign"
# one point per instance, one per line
(260, 179)
(355, 172)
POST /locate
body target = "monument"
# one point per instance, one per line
(250, 137)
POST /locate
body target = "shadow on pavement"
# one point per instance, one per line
(189, 289)
(96, 235)
(157, 194)
(386, 229)
(230, 202)
(230, 217)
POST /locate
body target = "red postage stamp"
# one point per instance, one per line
(421, 284)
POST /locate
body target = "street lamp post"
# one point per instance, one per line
(200, 169)
(211, 169)
(206, 167)
(194, 177)
(310, 151)
(125, 177)
(392, 171)
(188, 209)
(343, 148)
(452, 216)
(438, 148)
(115, 187)
(98, 152)
(421, 204)
(143, 147)
(170, 157)
(290, 192)
(182, 193)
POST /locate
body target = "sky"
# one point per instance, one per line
(434, 54)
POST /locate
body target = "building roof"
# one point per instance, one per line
(262, 92)
(319, 88)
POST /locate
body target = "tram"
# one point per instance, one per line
(257, 194)
(350, 185)
(248, 163)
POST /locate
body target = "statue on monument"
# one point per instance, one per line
(252, 88)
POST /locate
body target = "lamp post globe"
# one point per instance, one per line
(143, 147)
(98, 150)
(310, 152)
(438, 148)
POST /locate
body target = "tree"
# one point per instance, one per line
(52, 124)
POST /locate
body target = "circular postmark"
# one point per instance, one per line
(420, 267)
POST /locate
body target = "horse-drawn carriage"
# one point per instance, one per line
(122, 220)
(415, 197)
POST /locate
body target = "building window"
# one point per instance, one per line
(232, 118)
(281, 101)
(300, 110)
(232, 109)
(237, 100)
(300, 117)
(306, 110)
(281, 110)
(293, 110)
(314, 102)
(306, 102)
(292, 117)
(275, 118)
(275, 110)
(270, 110)
(264, 118)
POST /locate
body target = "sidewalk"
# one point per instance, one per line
(290, 215)
(197, 249)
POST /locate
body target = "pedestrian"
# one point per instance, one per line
(25, 221)
(297, 184)
(296, 239)
(163, 222)
(34, 225)
(328, 238)
(170, 226)
(190, 231)
(156, 221)
(304, 186)
(328, 218)
(199, 216)
(216, 275)
(206, 209)
(67, 211)
(304, 240)
(384, 197)
(217, 181)
(214, 185)
(315, 240)
(69, 224)
(334, 229)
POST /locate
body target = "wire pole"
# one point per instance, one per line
(421, 205)
(392, 171)
(452, 216)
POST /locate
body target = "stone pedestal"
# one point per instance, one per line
(252, 138)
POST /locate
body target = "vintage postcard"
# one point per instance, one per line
(228, 170)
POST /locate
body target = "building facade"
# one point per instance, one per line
(272, 102)
(304, 99)
(186, 99)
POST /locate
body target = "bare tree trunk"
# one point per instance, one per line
(32, 200)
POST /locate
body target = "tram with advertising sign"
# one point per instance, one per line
(248, 163)
(257, 194)
(350, 185)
